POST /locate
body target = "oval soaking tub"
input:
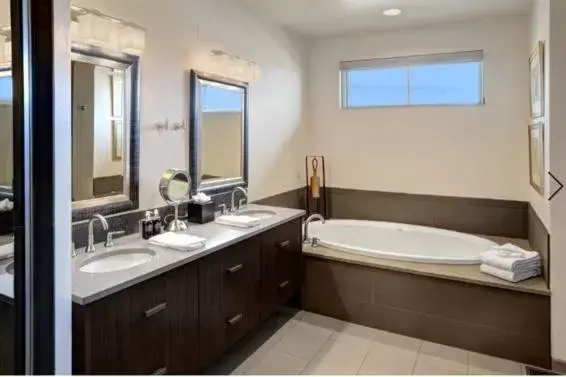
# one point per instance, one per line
(400, 241)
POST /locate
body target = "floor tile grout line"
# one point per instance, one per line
(318, 351)
(417, 358)
(365, 357)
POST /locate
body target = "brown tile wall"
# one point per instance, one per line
(539, 238)
(470, 215)
(492, 321)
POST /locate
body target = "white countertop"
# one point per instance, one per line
(89, 287)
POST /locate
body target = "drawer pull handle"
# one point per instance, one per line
(153, 311)
(237, 318)
(233, 270)
(284, 284)
(160, 371)
(285, 244)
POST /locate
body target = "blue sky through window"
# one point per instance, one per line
(216, 98)
(439, 84)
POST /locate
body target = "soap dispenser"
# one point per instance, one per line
(156, 222)
(146, 227)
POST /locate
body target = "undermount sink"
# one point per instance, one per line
(117, 260)
(259, 214)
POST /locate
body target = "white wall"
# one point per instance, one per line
(540, 31)
(221, 144)
(178, 33)
(454, 151)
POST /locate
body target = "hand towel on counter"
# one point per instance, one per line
(178, 241)
(513, 277)
(511, 258)
(7, 251)
(238, 221)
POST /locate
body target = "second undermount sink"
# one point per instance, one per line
(259, 214)
(117, 260)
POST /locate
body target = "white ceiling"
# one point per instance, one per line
(315, 18)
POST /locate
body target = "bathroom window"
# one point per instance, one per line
(454, 79)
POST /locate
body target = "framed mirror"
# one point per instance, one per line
(218, 133)
(6, 153)
(105, 129)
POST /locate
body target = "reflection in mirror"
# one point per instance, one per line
(218, 133)
(6, 154)
(98, 131)
(179, 187)
(221, 113)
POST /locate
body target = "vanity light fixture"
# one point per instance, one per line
(392, 12)
(235, 66)
(98, 29)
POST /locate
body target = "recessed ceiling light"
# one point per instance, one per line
(392, 12)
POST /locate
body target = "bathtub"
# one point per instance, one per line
(400, 241)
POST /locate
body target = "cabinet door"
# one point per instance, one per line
(228, 297)
(148, 328)
(182, 300)
(281, 256)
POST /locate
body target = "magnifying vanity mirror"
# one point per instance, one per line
(218, 133)
(175, 189)
(105, 129)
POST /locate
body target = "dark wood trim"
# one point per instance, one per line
(36, 50)
(194, 136)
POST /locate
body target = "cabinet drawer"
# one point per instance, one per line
(281, 266)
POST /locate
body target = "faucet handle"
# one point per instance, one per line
(223, 207)
(110, 238)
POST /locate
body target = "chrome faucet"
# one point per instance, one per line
(90, 246)
(306, 239)
(233, 202)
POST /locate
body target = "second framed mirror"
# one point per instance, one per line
(218, 133)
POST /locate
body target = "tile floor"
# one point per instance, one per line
(298, 342)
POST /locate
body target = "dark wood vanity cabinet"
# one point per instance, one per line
(150, 328)
(281, 260)
(182, 321)
(228, 297)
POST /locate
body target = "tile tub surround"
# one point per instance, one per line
(88, 287)
(494, 321)
(300, 342)
(539, 238)
(469, 215)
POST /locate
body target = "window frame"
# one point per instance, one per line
(345, 67)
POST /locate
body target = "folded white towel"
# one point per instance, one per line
(513, 277)
(7, 251)
(238, 221)
(178, 241)
(510, 258)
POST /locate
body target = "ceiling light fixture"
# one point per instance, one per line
(391, 12)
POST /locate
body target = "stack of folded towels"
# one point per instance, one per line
(511, 263)
(238, 221)
(178, 241)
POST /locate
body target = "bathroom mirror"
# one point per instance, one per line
(105, 131)
(6, 156)
(218, 133)
(175, 189)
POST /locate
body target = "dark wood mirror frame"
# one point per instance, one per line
(130, 63)
(222, 185)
